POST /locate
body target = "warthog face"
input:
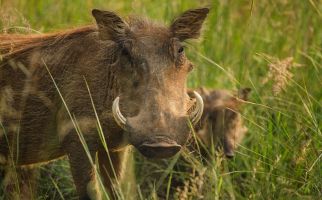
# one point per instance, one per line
(222, 123)
(152, 106)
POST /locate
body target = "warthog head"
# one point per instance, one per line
(222, 124)
(152, 104)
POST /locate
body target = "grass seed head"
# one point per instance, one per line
(280, 72)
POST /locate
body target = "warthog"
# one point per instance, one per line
(124, 77)
(221, 125)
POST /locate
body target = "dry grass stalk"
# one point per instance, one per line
(193, 187)
(279, 72)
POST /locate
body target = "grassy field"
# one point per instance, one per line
(273, 47)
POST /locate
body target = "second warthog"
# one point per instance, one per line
(221, 125)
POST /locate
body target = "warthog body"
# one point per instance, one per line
(132, 72)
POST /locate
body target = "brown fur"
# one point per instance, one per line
(135, 59)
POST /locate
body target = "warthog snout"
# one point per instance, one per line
(160, 149)
(159, 129)
(229, 149)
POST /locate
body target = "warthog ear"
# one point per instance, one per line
(244, 93)
(188, 25)
(110, 25)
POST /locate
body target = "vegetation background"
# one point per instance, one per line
(272, 46)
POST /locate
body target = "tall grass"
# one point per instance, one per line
(281, 155)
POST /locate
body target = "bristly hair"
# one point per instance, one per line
(142, 24)
(12, 45)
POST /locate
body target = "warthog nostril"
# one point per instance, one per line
(159, 150)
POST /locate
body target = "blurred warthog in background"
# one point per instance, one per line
(221, 125)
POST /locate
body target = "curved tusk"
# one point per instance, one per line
(197, 113)
(119, 118)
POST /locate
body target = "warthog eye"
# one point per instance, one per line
(180, 56)
(181, 50)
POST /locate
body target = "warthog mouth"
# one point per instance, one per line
(164, 148)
